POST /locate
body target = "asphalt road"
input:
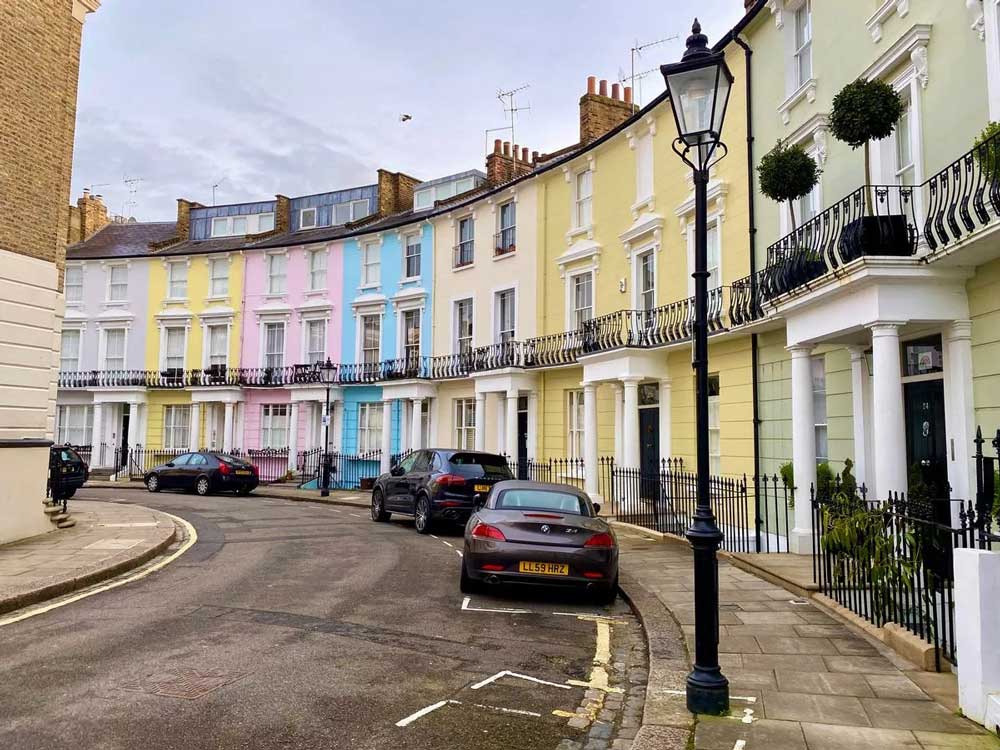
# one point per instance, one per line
(295, 625)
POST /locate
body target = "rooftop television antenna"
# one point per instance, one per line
(215, 187)
(132, 183)
(507, 99)
(636, 51)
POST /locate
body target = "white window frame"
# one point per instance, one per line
(456, 337)
(307, 351)
(363, 350)
(714, 222)
(274, 423)
(277, 289)
(818, 367)
(407, 244)
(75, 421)
(573, 320)
(371, 264)
(267, 357)
(302, 218)
(105, 365)
(637, 287)
(404, 345)
(207, 345)
(218, 284)
(369, 427)
(176, 427)
(644, 169)
(583, 204)
(359, 209)
(498, 329)
(575, 417)
(800, 51)
(175, 267)
(164, 338)
(883, 156)
(502, 244)
(460, 243)
(715, 429)
(123, 285)
(464, 414)
(77, 334)
(317, 271)
(74, 269)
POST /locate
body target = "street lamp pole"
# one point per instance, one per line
(699, 92)
(328, 370)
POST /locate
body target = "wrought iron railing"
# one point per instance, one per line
(464, 254)
(503, 242)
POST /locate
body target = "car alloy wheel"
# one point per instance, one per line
(422, 518)
(378, 509)
(202, 486)
(153, 483)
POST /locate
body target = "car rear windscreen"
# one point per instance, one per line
(563, 502)
(226, 458)
(479, 465)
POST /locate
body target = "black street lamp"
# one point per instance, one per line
(328, 374)
(699, 91)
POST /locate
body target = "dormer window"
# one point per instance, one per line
(350, 211)
(308, 218)
(239, 226)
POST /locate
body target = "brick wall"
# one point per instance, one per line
(86, 217)
(600, 112)
(395, 192)
(503, 166)
(39, 67)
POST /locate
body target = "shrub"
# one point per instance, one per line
(987, 150)
(787, 173)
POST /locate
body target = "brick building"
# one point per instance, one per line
(39, 69)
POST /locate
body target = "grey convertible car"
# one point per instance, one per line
(540, 534)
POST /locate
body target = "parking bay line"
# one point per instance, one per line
(508, 673)
(440, 704)
(467, 608)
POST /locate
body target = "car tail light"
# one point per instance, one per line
(601, 541)
(485, 531)
(450, 504)
(224, 468)
(543, 515)
(592, 574)
(450, 480)
(253, 468)
(493, 567)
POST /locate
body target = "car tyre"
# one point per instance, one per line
(422, 515)
(606, 595)
(202, 486)
(153, 483)
(378, 507)
(467, 584)
(243, 491)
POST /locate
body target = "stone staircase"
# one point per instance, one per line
(62, 519)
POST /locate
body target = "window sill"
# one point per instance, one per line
(217, 298)
(502, 256)
(579, 232)
(271, 296)
(465, 267)
(176, 300)
(314, 292)
(368, 287)
(806, 91)
(410, 280)
(642, 203)
(113, 302)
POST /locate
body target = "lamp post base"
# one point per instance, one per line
(707, 693)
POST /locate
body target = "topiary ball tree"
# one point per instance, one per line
(787, 173)
(987, 151)
(865, 111)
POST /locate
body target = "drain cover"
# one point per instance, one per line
(183, 682)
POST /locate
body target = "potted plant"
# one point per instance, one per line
(987, 151)
(866, 111)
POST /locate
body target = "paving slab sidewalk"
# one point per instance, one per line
(799, 679)
(108, 539)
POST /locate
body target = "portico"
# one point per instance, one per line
(416, 398)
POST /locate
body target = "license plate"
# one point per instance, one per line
(482, 488)
(543, 568)
(243, 472)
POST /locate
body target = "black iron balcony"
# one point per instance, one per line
(102, 378)
(405, 368)
(504, 242)
(498, 356)
(464, 254)
(553, 349)
(448, 366)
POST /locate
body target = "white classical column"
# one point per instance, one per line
(960, 418)
(803, 448)
(533, 425)
(404, 426)
(666, 420)
(590, 467)
(619, 416)
(195, 426)
(480, 421)
(134, 423)
(501, 422)
(227, 427)
(510, 447)
(386, 462)
(336, 425)
(97, 434)
(859, 385)
(293, 436)
(416, 433)
(889, 433)
(630, 426)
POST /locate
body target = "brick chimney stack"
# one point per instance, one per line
(87, 217)
(395, 192)
(503, 165)
(599, 112)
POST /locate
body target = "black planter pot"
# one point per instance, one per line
(876, 235)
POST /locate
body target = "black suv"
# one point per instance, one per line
(67, 472)
(436, 484)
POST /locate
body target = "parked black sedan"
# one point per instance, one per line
(437, 484)
(540, 534)
(203, 472)
(67, 472)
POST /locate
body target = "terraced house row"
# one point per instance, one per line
(542, 307)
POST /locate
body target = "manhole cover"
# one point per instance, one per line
(183, 682)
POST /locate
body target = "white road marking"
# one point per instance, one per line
(747, 716)
(518, 711)
(459, 553)
(740, 745)
(747, 698)
(356, 515)
(422, 712)
(449, 544)
(434, 537)
(192, 537)
(508, 673)
(467, 608)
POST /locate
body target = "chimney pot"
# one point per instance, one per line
(516, 151)
(506, 148)
(534, 156)
(628, 94)
(496, 145)
(86, 192)
(616, 91)
(524, 154)
(603, 89)
(591, 84)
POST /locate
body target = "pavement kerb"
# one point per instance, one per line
(277, 493)
(69, 585)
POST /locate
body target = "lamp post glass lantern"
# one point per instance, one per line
(699, 88)
(328, 374)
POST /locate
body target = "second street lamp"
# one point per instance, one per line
(699, 87)
(328, 374)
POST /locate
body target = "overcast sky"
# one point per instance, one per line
(302, 96)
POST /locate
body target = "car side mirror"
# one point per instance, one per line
(597, 509)
(397, 471)
(479, 501)
(170, 464)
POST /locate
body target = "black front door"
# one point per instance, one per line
(926, 441)
(522, 444)
(649, 451)
(122, 458)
